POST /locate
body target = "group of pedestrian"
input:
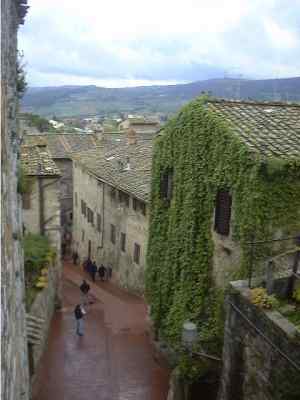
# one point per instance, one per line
(91, 267)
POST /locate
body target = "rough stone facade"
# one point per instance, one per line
(43, 308)
(51, 210)
(256, 345)
(14, 358)
(126, 220)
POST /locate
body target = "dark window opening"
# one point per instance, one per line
(123, 241)
(82, 235)
(136, 253)
(76, 199)
(124, 198)
(223, 212)
(143, 207)
(135, 204)
(113, 234)
(83, 208)
(113, 193)
(166, 185)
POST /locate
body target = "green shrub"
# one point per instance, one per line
(296, 295)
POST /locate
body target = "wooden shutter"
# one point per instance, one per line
(223, 212)
(166, 185)
(137, 252)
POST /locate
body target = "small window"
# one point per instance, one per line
(113, 234)
(166, 185)
(143, 207)
(135, 204)
(76, 200)
(26, 201)
(123, 241)
(223, 212)
(136, 253)
(124, 198)
(82, 235)
(98, 222)
(83, 208)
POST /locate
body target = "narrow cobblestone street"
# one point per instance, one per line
(114, 360)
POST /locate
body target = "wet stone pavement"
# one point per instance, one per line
(114, 360)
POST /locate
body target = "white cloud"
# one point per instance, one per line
(141, 41)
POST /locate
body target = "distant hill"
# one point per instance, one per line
(91, 100)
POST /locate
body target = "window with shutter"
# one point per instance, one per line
(136, 253)
(113, 234)
(135, 204)
(223, 212)
(166, 185)
(123, 241)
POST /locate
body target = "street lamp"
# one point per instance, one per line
(189, 337)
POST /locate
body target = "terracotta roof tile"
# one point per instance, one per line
(270, 129)
(108, 162)
(37, 161)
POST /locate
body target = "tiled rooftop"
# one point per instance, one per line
(37, 161)
(61, 145)
(270, 129)
(108, 162)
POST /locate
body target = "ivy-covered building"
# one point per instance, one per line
(225, 173)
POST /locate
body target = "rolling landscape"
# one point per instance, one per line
(79, 101)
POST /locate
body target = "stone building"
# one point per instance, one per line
(14, 359)
(144, 127)
(111, 194)
(60, 146)
(225, 174)
(40, 201)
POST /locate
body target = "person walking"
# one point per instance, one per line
(102, 272)
(79, 314)
(109, 272)
(94, 270)
(75, 257)
(85, 288)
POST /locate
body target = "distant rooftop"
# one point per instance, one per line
(109, 163)
(271, 129)
(37, 161)
(61, 145)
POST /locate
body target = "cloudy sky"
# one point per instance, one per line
(118, 43)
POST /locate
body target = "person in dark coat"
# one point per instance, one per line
(84, 288)
(75, 257)
(109, 272)
(89, 266)
(94, 270)
(79, 313)
(102, 272)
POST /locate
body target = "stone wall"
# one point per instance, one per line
(14, 359)
(31, 216)
(43, 307)
(256, 345)
(126, 220)
(65, 193)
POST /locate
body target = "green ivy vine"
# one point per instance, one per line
(205, 155)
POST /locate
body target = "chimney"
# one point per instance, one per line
(131, 136)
